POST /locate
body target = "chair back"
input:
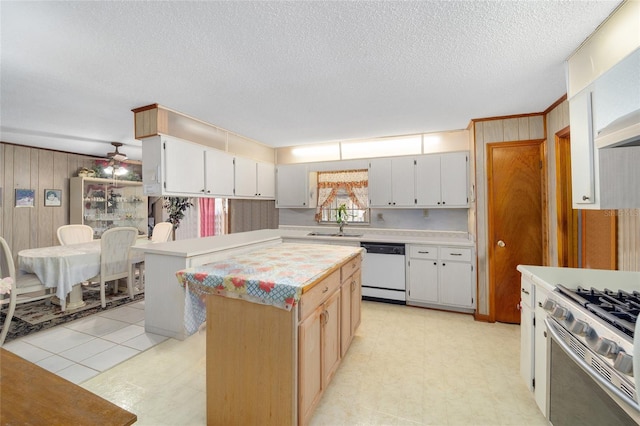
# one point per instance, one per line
(74, 234)
(114, 251)
(7, 267)
(161, 232)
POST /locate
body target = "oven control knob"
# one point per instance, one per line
(624, 363)
(549, 305)
(606, 347)
(579, 327)
(560, 313)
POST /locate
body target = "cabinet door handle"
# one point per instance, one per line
(423, 252)
(540, 304)
(326, 289)
(527, 293)
(435, 263)
(353, 286)
(455, 254)
(585, 198)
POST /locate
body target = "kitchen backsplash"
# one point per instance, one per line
(433, 219)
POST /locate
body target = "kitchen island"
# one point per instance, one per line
(165, 300)
(279, 320)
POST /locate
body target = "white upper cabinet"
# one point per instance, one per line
(175, 167)
(583, 152)
(178, 176)
(392, 182)
(442, 180)
(266, 180)
(172, 166)
(254, 179)
(246, 175)
(295, 186)
(218, 166)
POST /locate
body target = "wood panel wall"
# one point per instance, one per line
(23, 167)
(251, 215)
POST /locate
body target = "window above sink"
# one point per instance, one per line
(348, 187)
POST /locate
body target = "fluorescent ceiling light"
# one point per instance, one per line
(387, 147)
(318, 152)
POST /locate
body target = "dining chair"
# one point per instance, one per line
(160, 234)
(73, 234)
(115, 247)
(25, 287)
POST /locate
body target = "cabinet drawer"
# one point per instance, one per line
(527, 292)
(318, 294)
(423, 252)
(349, 268)
(451, 253)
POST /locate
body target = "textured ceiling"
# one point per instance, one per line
(283, 73)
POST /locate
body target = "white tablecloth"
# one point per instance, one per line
(62, 266)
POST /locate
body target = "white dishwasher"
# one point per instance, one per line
(383, 273)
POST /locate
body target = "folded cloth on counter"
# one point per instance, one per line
(272, 275)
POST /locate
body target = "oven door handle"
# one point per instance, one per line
(551, 328)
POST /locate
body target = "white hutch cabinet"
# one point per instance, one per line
(107, 203)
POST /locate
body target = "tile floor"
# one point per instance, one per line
(82, 349)
(406, 366)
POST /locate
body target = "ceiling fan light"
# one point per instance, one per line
(121, 171)
(108, 170)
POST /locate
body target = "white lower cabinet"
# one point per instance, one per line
(422, 272)
(533, 340)
(441, 276)
(527, 315)
(540, 352)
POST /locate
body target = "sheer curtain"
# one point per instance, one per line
(355, 182)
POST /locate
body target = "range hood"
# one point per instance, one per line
(623, 132)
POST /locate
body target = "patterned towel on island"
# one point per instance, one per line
(272, 275)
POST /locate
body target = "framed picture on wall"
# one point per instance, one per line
(52, 197)
(25, 197)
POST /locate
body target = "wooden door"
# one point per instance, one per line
(345, 317)
(567, 216)
(330, 338)
(515, 179)
(309, 364)
(595, 230)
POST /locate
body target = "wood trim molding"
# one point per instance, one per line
(481, 317)
(551, 107)
(507, 117)
(145, 108)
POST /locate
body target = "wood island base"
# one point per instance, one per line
(270, 366)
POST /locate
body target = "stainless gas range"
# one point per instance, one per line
(590, 356)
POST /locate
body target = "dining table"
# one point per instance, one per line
(65, 268)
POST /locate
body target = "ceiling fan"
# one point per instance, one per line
(115, 157)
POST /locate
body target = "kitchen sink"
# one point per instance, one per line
(334, 234)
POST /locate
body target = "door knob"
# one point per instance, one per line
(501, 243)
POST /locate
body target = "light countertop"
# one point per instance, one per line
(199, 246)
(360, 234)
(549, 277)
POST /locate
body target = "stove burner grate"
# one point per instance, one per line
(618, 308)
